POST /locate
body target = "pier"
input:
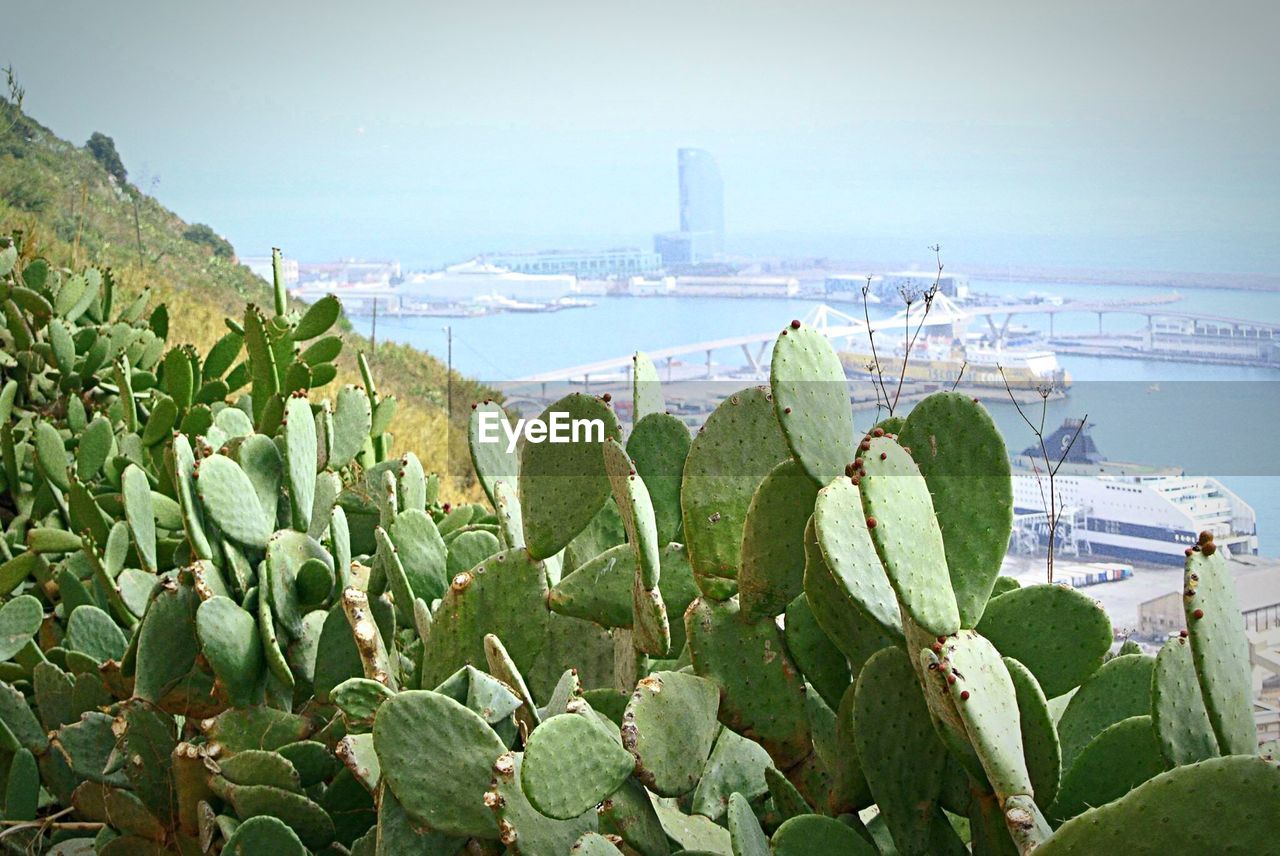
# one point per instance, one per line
(842, 329)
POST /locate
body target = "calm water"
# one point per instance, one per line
(1152, 412)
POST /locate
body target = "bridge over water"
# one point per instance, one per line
(843, 328)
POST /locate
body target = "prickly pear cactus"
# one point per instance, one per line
(233, 620)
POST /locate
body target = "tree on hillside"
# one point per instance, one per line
(199, 233)
(103, 149)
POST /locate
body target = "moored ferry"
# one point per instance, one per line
(1127, 511)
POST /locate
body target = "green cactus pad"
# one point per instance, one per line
(1118, 690)
(1220, 650)
(1058, 633)
(787, 800)
(91, 631)
(505, 595)
(1040, 744)
(746, 836)
(811, 398)
(762, 691)
(736, 765)
(669, 727)
(287, 551)
(849, 789)
(422, 553)
(313, 825)
(840, 526)
(901, 755)
(772, 570)
(229, 497)
(906, 536)
(1178, 714)
(264, 834)
(230, 643)
(396, 832)
(646, 388)
(563, 485)
(730, 455)
(1123, 756)
(629, 814)
(818, 659)
(658, 446)
(300, 445)
(166, 643)
(1223, 805)
(965, 463)
(570, 764)
(489, 455)
(261, 767)
(510, 518)
(20, 618)
(835, 611)
(419, 733)
(51, 455)
(984, 697)
(522, 828)
(352, 419)
(652, 633)
(692, 833)
(813, 833)
(139, 515)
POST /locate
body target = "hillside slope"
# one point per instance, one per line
(75, 213)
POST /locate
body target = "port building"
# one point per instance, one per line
(595, 264)
(475, 279)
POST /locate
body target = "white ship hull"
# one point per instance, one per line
(1131, 513)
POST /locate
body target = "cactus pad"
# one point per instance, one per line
(1220, 649)
(492, 461)
(813, 833)
(1040, 744)
(522, 828)
(720, 476)
(1119, 690)
(762, 691)
(1178, 714)
(1222, 805)
(669, 727)
(417, 731)
(658, 446)
(811, 398)
(772, 570)
(1058, 633)
(965, 463)
(840, 526)
(571, 763)
(1123, 756)
(906, 536)
(229, 497)
(563, 485)
(901, 755)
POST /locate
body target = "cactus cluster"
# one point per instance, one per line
(233, 621)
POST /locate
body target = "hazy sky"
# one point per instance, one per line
(1140, 133)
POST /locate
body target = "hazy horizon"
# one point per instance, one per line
(1137, 135)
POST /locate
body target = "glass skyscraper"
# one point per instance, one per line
(701, 235)
(701, 199)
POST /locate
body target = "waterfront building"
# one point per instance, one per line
(892, 285)
(1215, 339)
(261, 266)
(473, 280)
(627, 261)
(701, 235)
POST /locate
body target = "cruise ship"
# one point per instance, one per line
(1133, 512)
(946, 359)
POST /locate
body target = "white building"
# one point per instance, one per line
(473, 280)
